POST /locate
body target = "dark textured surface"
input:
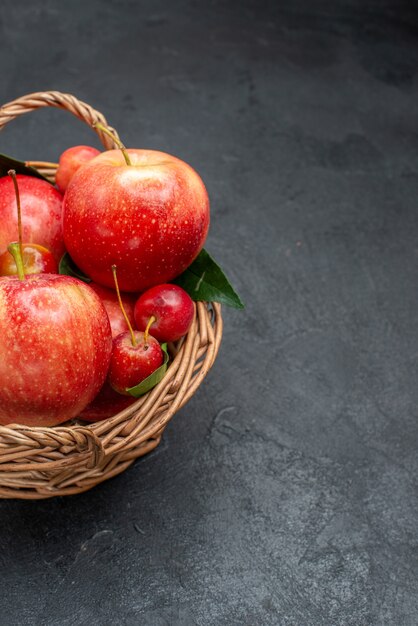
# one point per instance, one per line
(285, 493)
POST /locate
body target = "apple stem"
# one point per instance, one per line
(15, 251)
(117, 141)
(115, 278)
(12, 174)
(151, 320)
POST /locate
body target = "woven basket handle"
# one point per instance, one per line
(83, 111)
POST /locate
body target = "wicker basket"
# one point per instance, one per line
(63, 460)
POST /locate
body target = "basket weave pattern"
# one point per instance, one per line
(63, 460)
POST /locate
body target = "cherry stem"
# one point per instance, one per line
(15, 251)
(115, 278)
(117, 141)
(151, 320)
(12, 174)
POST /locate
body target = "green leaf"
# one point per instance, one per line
(153, 379)
(205, 280)
(9, 163)
(69, 268)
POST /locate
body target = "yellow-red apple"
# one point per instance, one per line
(70, 161)
(149, 217)
(55, 346)
(41, 206)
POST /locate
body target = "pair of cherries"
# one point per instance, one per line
(163, 313)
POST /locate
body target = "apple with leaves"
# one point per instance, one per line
(143, 210)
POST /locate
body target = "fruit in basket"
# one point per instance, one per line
(110, 300)
(135, 355)
(144, 210)
(134, 358)
(106, 404)
(70, 161)
(167, 310)
(41, 214)
(60, 472)
(55, 346)
(36, 260)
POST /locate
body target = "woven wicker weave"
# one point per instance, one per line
(44, 462)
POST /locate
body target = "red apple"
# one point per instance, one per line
(131, 364)
(36, 260)
(106, 404)
(150, 218)
(55, 346)
(70, 161)
(170, 306)
(110, 300)
(41, 214)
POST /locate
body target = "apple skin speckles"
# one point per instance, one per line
(41, 214)
(111, 304)
(70, 161)
(56, 343)
(134, 217)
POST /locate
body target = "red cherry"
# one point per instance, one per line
(70, 161)
(131, 364)
(172, 309)
(36, 260)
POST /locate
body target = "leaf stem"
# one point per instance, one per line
(117, 141)
(115, 278)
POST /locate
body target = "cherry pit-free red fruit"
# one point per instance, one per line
(131, 364)
(172, 309)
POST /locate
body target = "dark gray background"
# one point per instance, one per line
(285, 492)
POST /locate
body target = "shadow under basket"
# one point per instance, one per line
(62, 460)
